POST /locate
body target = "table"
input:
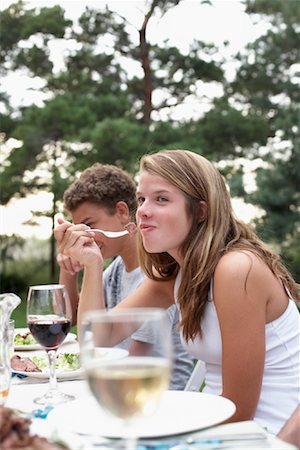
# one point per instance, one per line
(23, 391)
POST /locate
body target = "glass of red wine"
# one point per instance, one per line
(49, 318)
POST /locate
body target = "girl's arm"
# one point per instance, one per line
(81, 247)
(91, 295)
(149, 294)
(290, 432)
(241, 297)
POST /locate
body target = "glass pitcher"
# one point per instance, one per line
(8, 302)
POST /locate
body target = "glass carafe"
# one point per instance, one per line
(8, 302)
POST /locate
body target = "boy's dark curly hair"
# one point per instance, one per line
(104, 185)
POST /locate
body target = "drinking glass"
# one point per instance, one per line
(128, 389)
(49, 317)
(11, 337)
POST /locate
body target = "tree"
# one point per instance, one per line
(267, 86)
(94, 86)
(94, 109)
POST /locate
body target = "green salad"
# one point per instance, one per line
(64, 361)
(24, 339)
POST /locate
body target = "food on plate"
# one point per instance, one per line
(23, 364)
(64, 361)
(15, 433)
(24, 339)
(131, 228)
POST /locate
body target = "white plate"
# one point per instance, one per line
(106, 353)
(179, 412)
(44, 374)
(60, 375)
(109, 353)
(71, 337)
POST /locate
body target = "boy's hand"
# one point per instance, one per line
(74, 242)
(67, 264)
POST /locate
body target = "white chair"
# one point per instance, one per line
(197, 377)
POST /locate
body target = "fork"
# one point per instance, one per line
(109, 234)
(218, 442)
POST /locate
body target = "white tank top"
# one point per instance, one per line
(280, 392)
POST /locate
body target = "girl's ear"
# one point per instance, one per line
(123, 211)
(203, 209)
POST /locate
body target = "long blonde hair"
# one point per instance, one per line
(208, 240)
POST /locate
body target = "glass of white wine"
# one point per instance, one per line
(129, 388)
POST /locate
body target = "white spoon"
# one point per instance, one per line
(109, 234)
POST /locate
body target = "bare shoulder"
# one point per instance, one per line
(238, 263)
(242, 274)
(244, 280)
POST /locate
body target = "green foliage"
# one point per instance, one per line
(23, 263)
(167, 135)
(228, 133)
(48, 21)
(36, 59)
(9, 246)
(281, 11)
(266, 86)
(179, 71)
(291, 255)
(96, 110)
(18, 23)
(7, 124)
(22, 159)
(13, 20)
(278, 194)
(118, 141)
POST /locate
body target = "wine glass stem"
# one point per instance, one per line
(131, 443)
(52, 378)
(130, 435)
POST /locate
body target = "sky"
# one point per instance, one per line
(225, 21)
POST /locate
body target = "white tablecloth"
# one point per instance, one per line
(23, 391)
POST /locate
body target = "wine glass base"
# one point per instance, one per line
(53, 398)
(120, 444)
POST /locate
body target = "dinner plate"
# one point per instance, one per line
(60, 375)
(109, 353)
(179, 412)
(44, 374)
(71, 337)
(103, 352)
